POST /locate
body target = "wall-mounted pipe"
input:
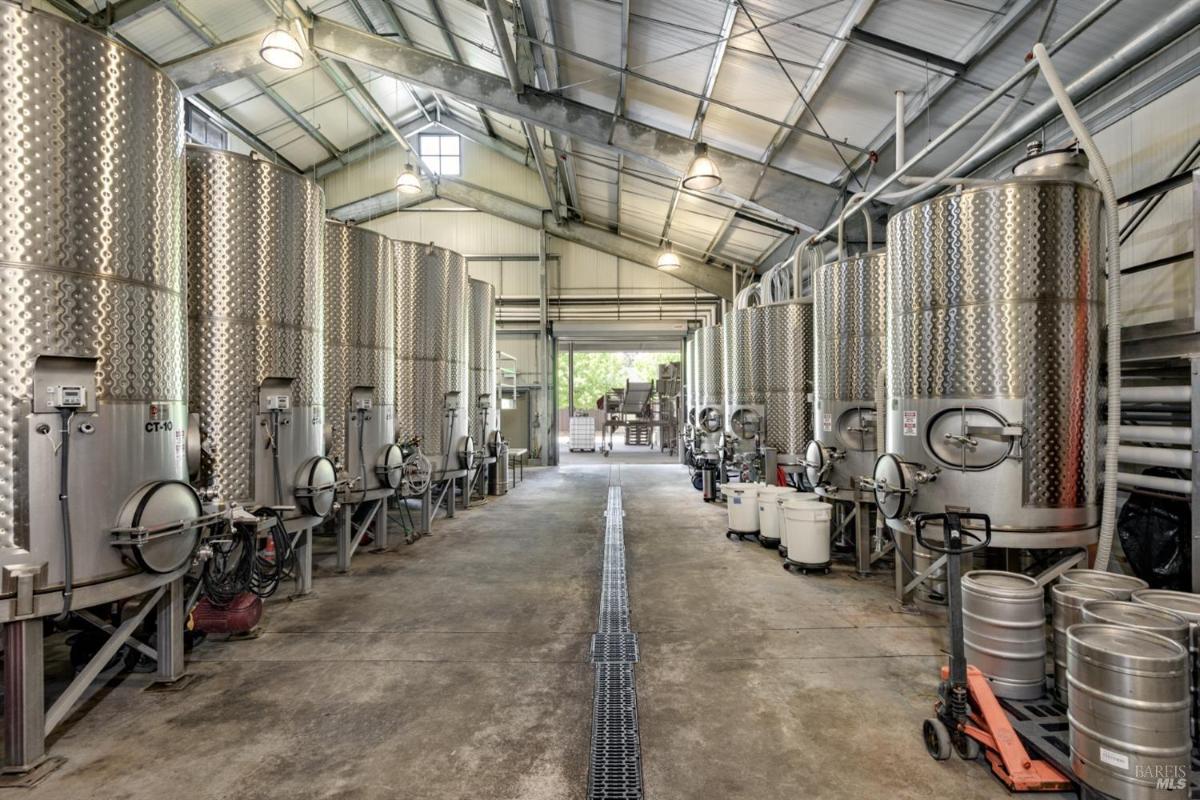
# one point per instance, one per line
(1176, 485)
(1181, 393)
(1155, 456)
(1156, 434)
(898, 147)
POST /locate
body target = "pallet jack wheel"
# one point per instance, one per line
(937, 739)
(968, 749)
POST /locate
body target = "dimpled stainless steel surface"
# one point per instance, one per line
(744, 362)
(787, 377)
(710, 374)
(850, 344)
(482, 357)
(431, 346)
(256, 301)
(360, 344)
(994, 303)
(93, 267)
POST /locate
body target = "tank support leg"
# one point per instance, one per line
(303, 548)
(862, 539)
(24, 696)
(451, 491)
(171, 621)
(345, 537)
(904, 556)
(427, 511)
(467, 487)
(381, 525)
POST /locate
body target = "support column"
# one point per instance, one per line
(24, 696)
(904, 555)
(451, 500)
(171, 620)
(427, 511)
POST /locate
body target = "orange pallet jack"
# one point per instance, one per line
(968, 716)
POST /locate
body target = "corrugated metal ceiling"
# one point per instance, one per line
(670, 44)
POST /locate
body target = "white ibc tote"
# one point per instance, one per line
(770, 521)
(806, 533)
(741, 500)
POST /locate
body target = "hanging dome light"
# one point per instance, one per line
(408, 182)
(667, 260)
(703, 174)
(280, 49)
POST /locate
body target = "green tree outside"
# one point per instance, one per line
(596, 373)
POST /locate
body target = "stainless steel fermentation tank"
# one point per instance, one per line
(995, 311)
(360, 358)
(850, 342)
(482, 363)
(710, 389)
(256, 352)
(787, 330)
(768, 374)
(432, 385)
(93, 386)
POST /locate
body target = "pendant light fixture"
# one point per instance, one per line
(280, 49)
(408, 182)
(702, 174)
(667, 260)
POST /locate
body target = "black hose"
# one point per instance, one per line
(65, 509)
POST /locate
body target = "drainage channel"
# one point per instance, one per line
(615, 769)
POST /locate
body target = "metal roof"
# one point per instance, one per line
(723, 71)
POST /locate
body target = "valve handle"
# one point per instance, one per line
(955, 534)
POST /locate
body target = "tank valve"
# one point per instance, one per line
(927, 476)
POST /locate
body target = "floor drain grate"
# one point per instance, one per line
(615, 767)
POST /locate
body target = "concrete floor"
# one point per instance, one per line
(457, 667)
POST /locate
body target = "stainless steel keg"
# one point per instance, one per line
(1122, 586)
(1004, 631)
(1067, 600)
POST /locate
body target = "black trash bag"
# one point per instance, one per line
(1156, 536)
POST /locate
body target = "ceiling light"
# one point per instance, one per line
(408, 182)
(667, 260)
(280, 49)
(703, 173)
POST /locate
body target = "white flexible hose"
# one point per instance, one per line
(1112, 437)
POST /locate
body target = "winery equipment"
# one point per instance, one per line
(708, 432)
(968, 717)
(849, 350)
(1003, 275)
(255, 236)
(1186, 605)
(688, 422)
(1066, 601)
(94, 501)
(805, 542)
(432, 381)
(742, 509)
(743, 361)
(1128, 708)
(360, 388)
(485, 406)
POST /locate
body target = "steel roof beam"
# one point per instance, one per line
(801, 200)
(452, 45)
(197, 26)
(710, 279)
(542, 62)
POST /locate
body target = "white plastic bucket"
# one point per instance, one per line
(806, 531)
(741, 500)
(770, 521)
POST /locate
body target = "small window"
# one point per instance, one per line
(441, 152)
(203, 129)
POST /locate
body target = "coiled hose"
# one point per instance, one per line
(1108, 508)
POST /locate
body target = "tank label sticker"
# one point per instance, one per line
(737, 501)
(179, 449)
(827, 422)
(910, 423)
(1114, 759)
